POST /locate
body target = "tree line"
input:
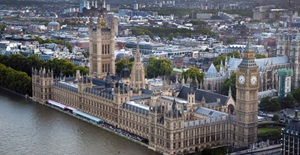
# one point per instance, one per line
(156, 67)
(274, 104)
(15, 80)
(159, 67)
(24, 64)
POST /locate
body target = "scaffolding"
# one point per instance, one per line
(283, 74)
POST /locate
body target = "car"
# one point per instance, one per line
(281, 111)
(282, 120)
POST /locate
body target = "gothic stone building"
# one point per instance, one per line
(290, 136)
(174, 121)
(287, 57)
(289, 45)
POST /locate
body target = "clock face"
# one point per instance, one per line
(241, 79)
(253, 80)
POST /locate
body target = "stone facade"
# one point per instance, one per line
(174, 121)
(138, 73)
(101, 48)
(213, 79)
(247, 86)
(181, 123)
(289, 45)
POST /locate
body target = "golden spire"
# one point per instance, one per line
(103, 22)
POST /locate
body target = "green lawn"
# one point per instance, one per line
(268, 130)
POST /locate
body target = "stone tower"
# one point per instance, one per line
(173, 127)
(101, 47)
(247, 86)
(288, 45)
(42, 82)
(137, 73)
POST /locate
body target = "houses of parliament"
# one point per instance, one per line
(174, 121)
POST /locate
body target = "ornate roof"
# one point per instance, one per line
(293, 128)
(212, 71)
(210, 112)
(210, 97)
(261, 63)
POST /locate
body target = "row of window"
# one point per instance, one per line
(135, 109)
(89, 106)
(191, 142)
(105, 48)
(133, 117)
(106, 67)
(135, 126)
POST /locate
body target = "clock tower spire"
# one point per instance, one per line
(247, 86)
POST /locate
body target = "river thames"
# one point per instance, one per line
(30, 128)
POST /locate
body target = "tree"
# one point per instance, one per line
(120, 64)
(207, 151)
(198, 22)
(235, 54)
(14, 80)
(229, 83)
(275, 118)
(217, 61)
(193, 73)
(170, 36)
(159, 67)
(86, 54)
(296, 94)
(64, 66)
(231, 40)
(288, 102)
(259, 56)
(269, 104)
(68, 45)
(16, 70)
(2, 27)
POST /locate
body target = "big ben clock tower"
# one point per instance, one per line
(247, 85)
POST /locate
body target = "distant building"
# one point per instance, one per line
(291, 137)
(203, 15)
(90, 7)
(259, 14)
(53, 26)
(288, 45)
(136, 6)
(84, 4)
